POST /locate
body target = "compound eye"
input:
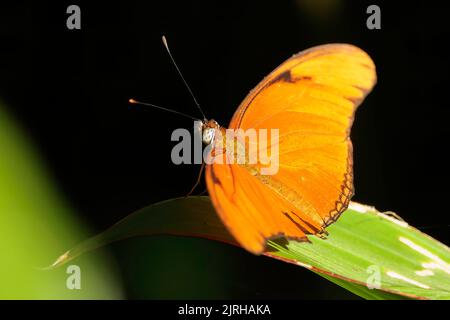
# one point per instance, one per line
(208, 135)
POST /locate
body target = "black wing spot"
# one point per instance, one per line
(296, 223)
(286, 76)
(283, 77)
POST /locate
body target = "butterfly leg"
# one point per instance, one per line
(198, 180)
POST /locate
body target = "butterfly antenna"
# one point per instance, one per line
(181, 75)
(132, 101)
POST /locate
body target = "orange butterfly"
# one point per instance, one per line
(311, 99)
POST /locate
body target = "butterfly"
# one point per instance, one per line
(311, 100)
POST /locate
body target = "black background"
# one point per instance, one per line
(69, 89)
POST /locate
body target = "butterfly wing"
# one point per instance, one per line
(311, 99)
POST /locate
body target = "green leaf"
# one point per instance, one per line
(363, 247)
(35, 223)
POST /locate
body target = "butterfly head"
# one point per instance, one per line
(209, 131)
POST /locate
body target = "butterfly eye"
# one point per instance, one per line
(208, 135)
